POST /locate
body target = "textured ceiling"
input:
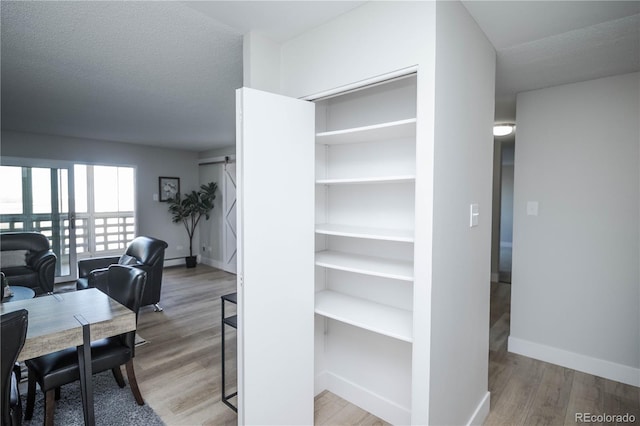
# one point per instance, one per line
(164, 73)
(154, 73)
(546, 43)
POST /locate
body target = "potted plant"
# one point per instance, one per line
(190, 209)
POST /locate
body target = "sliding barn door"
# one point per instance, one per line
(229, 219)
(275, 183)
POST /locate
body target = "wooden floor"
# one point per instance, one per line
(179, 368)
(525, 391)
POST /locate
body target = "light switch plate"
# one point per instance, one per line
(532, 208)
(474, 215)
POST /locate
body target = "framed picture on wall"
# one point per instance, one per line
(169, 187)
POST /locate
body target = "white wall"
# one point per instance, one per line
(153, 219)
(380, 37)
(261, 62)
(464, 110)
(576, 282)
(371, 40)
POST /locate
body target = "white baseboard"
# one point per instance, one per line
(364, 398)
(586, 364)
(179, 261)
(174, 262)
(211, 262)
(482, 411)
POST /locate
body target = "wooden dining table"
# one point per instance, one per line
(62, 320)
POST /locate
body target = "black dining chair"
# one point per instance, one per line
(124, 284)
(13, 330)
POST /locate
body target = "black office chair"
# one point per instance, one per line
(14, 333)
(124, 284)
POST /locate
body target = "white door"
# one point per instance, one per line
(275, 258)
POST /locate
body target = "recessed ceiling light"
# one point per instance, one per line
(503, 129)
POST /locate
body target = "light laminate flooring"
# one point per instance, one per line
(179, 370)
(526, 391)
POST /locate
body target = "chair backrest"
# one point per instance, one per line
(30, 241)
(31, 244)
(13, 329)
(145, 250)
(126, 284)
(148, 254)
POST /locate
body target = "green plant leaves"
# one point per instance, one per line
(190, 209)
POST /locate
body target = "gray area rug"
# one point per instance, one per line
(113, 405)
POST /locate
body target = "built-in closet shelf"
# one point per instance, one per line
(363, 232)
(378, 132)
(376, 317)
(367, 265)
(366, 180)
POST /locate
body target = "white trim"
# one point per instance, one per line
(179, 261)
(364, 398)
(358, 85)
(482, 411)
(212, 262)
(597, 367)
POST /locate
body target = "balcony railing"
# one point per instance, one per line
(99, 234)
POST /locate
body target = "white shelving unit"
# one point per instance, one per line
(401, 235)
(345, 232)
(367, 265)
(365, 203)
(368, 180)
(372, 316)
(378, 132)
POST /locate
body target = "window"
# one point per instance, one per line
(104, 204)
(35, 198)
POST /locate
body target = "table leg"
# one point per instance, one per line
(222, 346)
(84, 364)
